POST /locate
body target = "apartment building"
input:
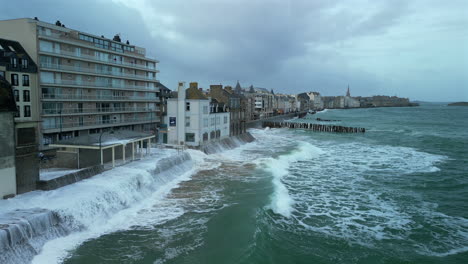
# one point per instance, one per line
(87, 82)
(7, 139)
(195, 119)
(19, 70)
(232, 100)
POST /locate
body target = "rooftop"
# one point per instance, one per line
(108, 138)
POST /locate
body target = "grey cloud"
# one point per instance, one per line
(290, 46)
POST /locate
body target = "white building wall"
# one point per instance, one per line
(197, 114)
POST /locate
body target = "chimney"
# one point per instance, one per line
(194, 85)
(181, 91)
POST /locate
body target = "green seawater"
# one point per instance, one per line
(396, 194)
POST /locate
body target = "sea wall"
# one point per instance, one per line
(227, 143)
(24, 232)
(67, 179)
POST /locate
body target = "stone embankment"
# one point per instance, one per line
(227, 143)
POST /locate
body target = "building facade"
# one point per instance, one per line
(87, 82)
(21, 72)
(7, 140)
(232, 100)
(194, 119)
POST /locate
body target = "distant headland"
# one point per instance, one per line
(458, 104)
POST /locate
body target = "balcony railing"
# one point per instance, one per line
(89, 57)
(67, 111)
(97, 97)
(98, 84)
(66, 125)
(95, 71)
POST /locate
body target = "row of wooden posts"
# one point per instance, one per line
(315, 127)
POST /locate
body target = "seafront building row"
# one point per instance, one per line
(64, 93)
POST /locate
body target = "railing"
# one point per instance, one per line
(85, 56)
(95, 71)
(66, 111)
(98, 84)
(66, 125)
(97, 97)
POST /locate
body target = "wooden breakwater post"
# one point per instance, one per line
(314, 127)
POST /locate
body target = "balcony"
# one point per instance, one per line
(76, 42)
(98, 84)
(72, 97)
(87, 111)
(53, 66)
(68, 126)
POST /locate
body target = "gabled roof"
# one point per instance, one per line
(162, 87)
(261, 90)
(13, 49)
(194, 94)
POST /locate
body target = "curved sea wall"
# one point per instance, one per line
(78, 207)
(24, 232)
(227, 143)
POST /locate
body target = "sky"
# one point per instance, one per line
(416, 49)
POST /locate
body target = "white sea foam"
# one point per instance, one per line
(282, 203)
(114, 200)
(346, 193)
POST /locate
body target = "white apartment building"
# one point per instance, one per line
(194, 119)
(86, 82)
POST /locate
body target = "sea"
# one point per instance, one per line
(397, 193)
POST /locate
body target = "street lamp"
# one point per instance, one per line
(60, 114)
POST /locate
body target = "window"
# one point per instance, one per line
(187, 121)
(27, 111)
(26, 96)
(14, 62)
(189, 137)
(225, 120)
(25, 80)
(14, 79)
(212, 121)
(2, 74)
(24, 63)
(205, 109)
(205, 122)
(218, 120)
(16, 94)
(187, 106)
(17, 113)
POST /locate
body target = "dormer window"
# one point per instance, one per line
(14, 62)
(24, 63)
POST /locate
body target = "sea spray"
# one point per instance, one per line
(102, 204)
(281, 201)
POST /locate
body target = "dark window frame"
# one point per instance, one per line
(16, 95)
(189, 137)
(24, 63)
(26, 96)
(14, 62)
(14, 79)
(27, 111)
(25, 80)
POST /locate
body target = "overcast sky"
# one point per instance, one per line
(416, 49)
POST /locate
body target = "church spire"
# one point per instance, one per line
(348, 93)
